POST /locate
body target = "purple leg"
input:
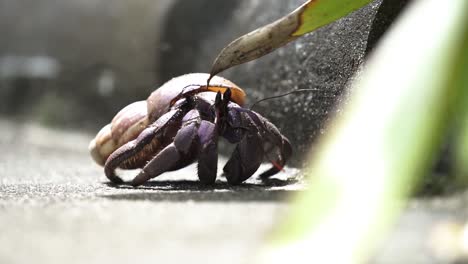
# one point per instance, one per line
(130, 150)
(276, 147)
(245, 159)
(258, 138)
(248, 154)
(176, 155)
(126, 153)
(208, 154)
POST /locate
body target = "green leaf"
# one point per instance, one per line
(317, 13)
(308, 17)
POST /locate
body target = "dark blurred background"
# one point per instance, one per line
(75, 63)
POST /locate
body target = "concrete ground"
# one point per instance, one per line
(56, 206)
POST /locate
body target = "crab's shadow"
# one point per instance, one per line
(193, 190)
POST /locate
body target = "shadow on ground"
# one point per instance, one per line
(187, 190)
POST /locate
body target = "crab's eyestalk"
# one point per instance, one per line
(125, 126)
(227, 95)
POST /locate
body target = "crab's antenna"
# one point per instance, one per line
(281, 95)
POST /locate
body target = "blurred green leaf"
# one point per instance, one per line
(377, 151)
(460, 77)
(308, 17)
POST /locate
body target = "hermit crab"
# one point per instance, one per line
(180, 123)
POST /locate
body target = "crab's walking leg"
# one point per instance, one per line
(245, 160)
(194, 135)
(273, 143)
(126, 152)
(132, 148)
(248, 154)
(175, 155)
(208, 154)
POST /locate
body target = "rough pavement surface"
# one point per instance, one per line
(56, 207)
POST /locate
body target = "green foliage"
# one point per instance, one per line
(318, 13)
